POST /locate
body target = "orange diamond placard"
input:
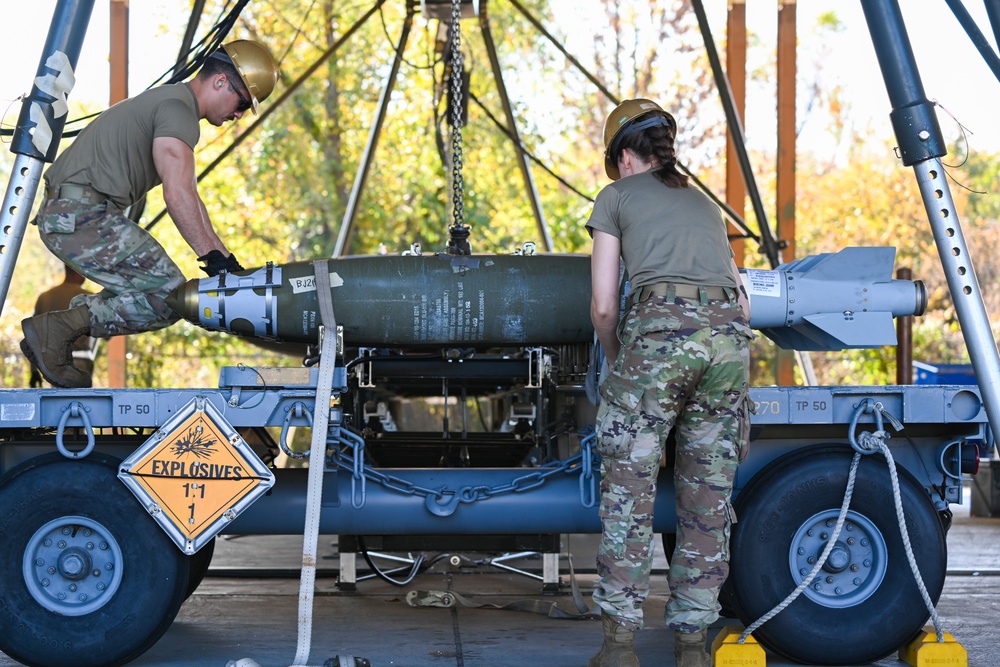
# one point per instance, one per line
(195, 475)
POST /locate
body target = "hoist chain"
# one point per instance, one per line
(457, 67)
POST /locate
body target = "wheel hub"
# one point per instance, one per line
(72, 566)
(855, 566)
(839, 558)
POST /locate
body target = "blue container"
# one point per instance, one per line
(943, 373)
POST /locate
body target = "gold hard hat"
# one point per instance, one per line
(624, 116)
(256, 67)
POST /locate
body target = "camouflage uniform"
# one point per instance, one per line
(102, 244)
(683, 365)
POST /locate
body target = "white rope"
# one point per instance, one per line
(906, 543)
(870, 442)
(822, 559)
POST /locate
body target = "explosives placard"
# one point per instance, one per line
(195, 475)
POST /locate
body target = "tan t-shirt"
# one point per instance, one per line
(114, 154)
(673, 235)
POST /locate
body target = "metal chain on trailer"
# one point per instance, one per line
(868, 442)
(444, 501)
(457, 66)
(361, 472)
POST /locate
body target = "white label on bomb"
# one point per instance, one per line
(762, 283)
(308, 283)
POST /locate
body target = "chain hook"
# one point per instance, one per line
(297, 410)
(447, 508)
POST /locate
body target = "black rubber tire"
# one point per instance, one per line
(142, 596)
(198, 564)
(836, 625)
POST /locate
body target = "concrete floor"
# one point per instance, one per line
(230, 618)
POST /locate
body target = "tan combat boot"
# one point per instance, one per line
(689, 649)
(618, 649)
(48, 343)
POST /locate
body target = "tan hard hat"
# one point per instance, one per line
(624, 115)
(256, 67)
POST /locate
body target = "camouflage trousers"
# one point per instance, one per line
(102, 244)
(683, 366)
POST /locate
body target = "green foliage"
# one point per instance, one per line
(979, 175)
(830, 21)
(283, 193)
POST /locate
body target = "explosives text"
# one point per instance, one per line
(196, 469)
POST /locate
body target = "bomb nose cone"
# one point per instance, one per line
(184, 300)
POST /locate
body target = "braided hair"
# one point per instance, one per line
(655, 144)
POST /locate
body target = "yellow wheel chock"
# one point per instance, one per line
(927, 651)
(727, 651)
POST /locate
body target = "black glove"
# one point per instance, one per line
(215, 263)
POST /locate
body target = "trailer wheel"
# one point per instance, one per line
(87, 578)
(864, 604)
(198, 564)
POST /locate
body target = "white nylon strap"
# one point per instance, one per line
(317, 461)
